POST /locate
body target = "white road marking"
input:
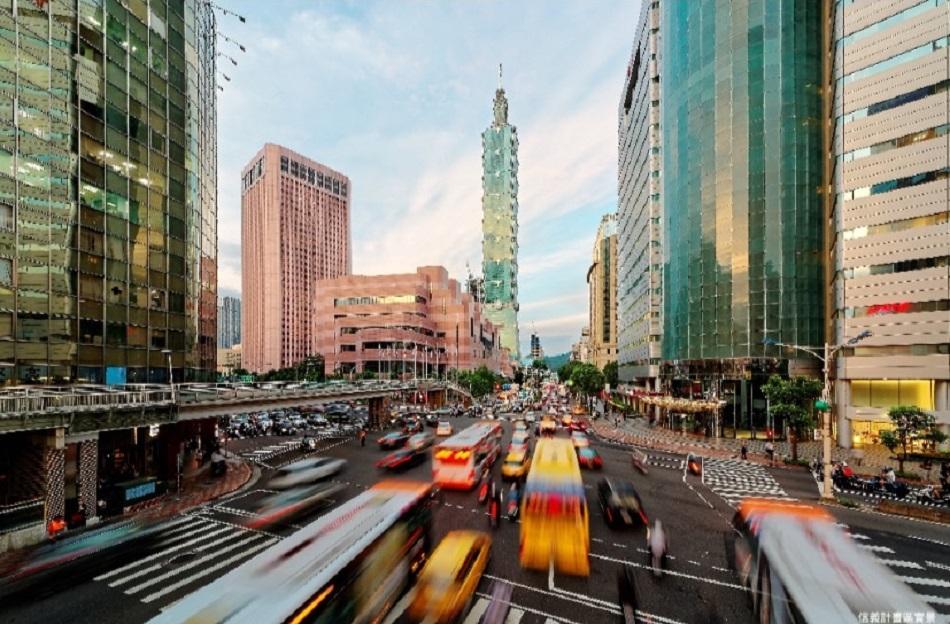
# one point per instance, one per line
(935, 600)
(193, 564)
(206, 571)
(597, 539)
(620, 545)
(914, 580)
(593, 602)
(896, 563)
(876, 548)
(480, 606)
(556, 619)
(158, 566)
(670, 572)
(939, 566)
(162, 553)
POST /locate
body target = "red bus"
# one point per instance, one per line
(458, 461)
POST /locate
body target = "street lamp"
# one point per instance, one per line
(829, 353)
(171, 380)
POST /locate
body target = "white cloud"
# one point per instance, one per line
(573, 298)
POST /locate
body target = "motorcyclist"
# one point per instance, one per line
(639, 461)
(514, 499)
(658, 544)
(494, 509)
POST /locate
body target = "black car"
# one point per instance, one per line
(402, 459)
(393, 440)
(620, 503)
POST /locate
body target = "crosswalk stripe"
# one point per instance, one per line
(158, 566)
(876, 548)
(480, 606)
(896, 563)
(205, 535)
(217, 553)
(930, 582)
(190, 579)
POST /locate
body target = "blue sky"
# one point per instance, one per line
(395, 94)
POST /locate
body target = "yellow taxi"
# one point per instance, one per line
(448, 580)
(516, 465)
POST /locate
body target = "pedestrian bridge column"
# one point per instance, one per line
(378, 411)
(54, 477)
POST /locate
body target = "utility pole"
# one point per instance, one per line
(824, 405)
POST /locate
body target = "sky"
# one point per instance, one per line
(396, 93)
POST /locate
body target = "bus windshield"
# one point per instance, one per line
(349, 565)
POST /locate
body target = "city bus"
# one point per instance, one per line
(800, 567)
(458, 461)
(554, 517)
(351, 565)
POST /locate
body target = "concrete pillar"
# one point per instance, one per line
(942, 408)
(842, 401)
(89, 477)
(54, 462)
(378, 411)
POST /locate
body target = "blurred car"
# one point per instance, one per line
(444, 429)
(394, 439)
(520, 425)
(309, 443)
(519, 443)
(530, 417)
(402, 459)
(620, 503)
(566, 420)
(448, 580)
(306, 471)
(580, 425)
(289, 504)
(587, 457)
(547, 426)
(516, 465)
(318, 421)
(579, 440)
(413, 426)
(420, 441)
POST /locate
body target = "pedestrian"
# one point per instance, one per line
(744, 451)
(770, 452)
(362, 437)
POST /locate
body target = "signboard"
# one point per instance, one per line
(115, 375)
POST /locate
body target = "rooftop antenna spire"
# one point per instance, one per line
(499, 76)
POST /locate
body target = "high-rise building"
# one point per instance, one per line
(500, 223)
(640, 210)
(580, 350)
(229, 323)
(537, 352)
(742, 165)
(888, 211)
(602, 288)
(295, 231)
(108, 200)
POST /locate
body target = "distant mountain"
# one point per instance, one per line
(555, 362)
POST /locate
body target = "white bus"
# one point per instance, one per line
(458, 461)
(351, 565)
(800, 568)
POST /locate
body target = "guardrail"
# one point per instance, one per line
(28, 400)
(21, 514)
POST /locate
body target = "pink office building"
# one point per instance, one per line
(392, 324)
(295, 231)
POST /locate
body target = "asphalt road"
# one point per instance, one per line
(699, 586)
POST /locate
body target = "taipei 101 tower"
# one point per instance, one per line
(500, 223)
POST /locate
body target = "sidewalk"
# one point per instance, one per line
(198, 487)
(638, 431)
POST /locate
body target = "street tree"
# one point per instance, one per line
(611, 374)
(587, 379)
(564, 373)
(539, 364)
(791, 400)
(909, 422)
(480, 381)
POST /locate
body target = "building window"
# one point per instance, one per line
(284, 163)
(6, 217)
(6, 272)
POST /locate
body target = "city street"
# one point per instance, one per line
(699, 585)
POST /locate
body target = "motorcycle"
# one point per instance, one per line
(694, 465)
(931, 496)
(627, 593)
(639, 461)
(483, 493)
(656, 549)
(494, 512)
(513, 507)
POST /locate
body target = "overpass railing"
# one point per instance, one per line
(20, 400)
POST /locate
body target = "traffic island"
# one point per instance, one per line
(910, 510)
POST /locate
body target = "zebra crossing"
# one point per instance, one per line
(188, 554)
(734, 480)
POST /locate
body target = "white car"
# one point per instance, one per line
(444, 429)
(306, 471)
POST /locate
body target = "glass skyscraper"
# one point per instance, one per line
(500, 223)
(742, 154)
(108, 170)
